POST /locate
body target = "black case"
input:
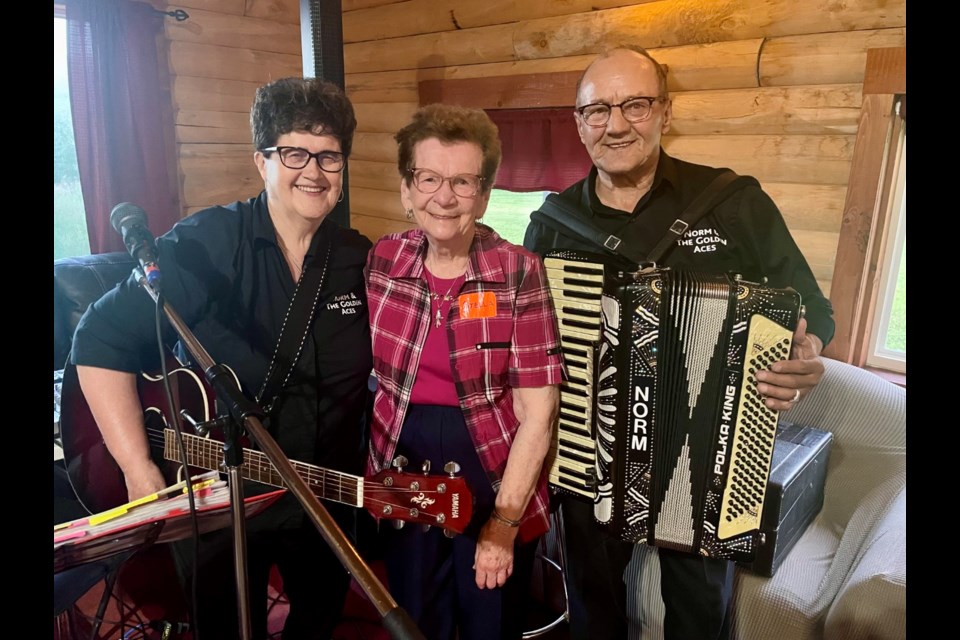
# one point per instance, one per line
(794, 492)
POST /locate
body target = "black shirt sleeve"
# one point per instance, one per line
(778, 258)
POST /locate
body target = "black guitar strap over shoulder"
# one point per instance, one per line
(564, 216)
(296, 327)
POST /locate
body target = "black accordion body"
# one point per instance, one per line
(661, 424)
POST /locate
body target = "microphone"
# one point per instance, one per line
(130, 221)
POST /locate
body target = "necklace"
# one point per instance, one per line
(440, 298)
(297, 269)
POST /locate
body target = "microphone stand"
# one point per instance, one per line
(396, 620)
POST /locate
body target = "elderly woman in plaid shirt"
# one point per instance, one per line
(466, 354)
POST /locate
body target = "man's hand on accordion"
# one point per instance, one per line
(789, 380)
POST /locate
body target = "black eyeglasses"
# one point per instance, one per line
(597, 114)
(297, 158)
(465, 185)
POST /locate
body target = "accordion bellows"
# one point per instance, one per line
(661, 424)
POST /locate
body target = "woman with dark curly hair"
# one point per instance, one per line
(235, 273)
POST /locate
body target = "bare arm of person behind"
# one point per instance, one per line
(115, 405)
(536, 408)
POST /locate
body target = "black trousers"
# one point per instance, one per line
(314, 581)
(696, 591)
(432, 576)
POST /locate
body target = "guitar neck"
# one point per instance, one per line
(326, 484)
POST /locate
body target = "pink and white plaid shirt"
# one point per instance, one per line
(502, 333)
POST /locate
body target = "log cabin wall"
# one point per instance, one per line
(218, 58)
(770, 88)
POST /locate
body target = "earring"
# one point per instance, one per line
(340, 199)
(409, 214)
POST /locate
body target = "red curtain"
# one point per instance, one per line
(541, 149)
(115, 95)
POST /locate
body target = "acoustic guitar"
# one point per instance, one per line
(437, 500)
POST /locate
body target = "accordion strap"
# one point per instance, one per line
(566, 217)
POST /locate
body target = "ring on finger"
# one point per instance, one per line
(796, 396)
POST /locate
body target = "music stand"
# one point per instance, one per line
(80, 561)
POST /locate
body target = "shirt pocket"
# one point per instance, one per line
(481, 364)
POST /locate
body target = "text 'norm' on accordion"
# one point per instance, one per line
(661, 424)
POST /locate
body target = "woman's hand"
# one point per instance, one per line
(493, 560)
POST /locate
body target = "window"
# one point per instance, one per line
(888, 340)
(69, 224)
(508, 212)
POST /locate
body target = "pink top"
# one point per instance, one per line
(434, 381)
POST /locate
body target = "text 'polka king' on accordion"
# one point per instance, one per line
(661, 424)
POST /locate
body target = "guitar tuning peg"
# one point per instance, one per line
(426, 467)
(397, 524)
(449, 534)
(400, 462)
(452, 468)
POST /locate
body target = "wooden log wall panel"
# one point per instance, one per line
(207, 94)
(279, 10)
(388, 86)
(214, 126)
(676, 22)
(430, 16)
(228, 63)
(375, 227)
(723, 65)
(809, 207)
(469, 46)
(824, 109)
(217, 173)
(374, 175)
(353, 5)
(378, 147)
(235, 7)
(381, 118)
(242, 32)
(795, 158)
(819, 248)
(823, 58)
(208, 181)
(534, 91)
(385, 204)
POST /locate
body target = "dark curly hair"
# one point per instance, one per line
(449, 123)
(311, 105)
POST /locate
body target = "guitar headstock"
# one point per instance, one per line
(435, 500)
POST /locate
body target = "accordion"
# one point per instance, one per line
(661, 424)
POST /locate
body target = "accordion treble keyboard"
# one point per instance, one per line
(576, 287)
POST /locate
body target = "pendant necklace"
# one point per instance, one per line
(440, 299)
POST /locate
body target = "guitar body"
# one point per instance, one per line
(94, 474)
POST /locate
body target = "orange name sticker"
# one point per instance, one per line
(477, 305)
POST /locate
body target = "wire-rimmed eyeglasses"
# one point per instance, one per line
(298, 158)
(597, 114)
(465, 185)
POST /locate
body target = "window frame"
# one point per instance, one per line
(854, 289)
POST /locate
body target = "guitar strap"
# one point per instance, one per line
(296, 326)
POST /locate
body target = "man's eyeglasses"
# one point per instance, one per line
(597, 114)
(297, 158)
(465, 185)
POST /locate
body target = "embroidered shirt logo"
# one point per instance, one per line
(347, 303)
(702, 240)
